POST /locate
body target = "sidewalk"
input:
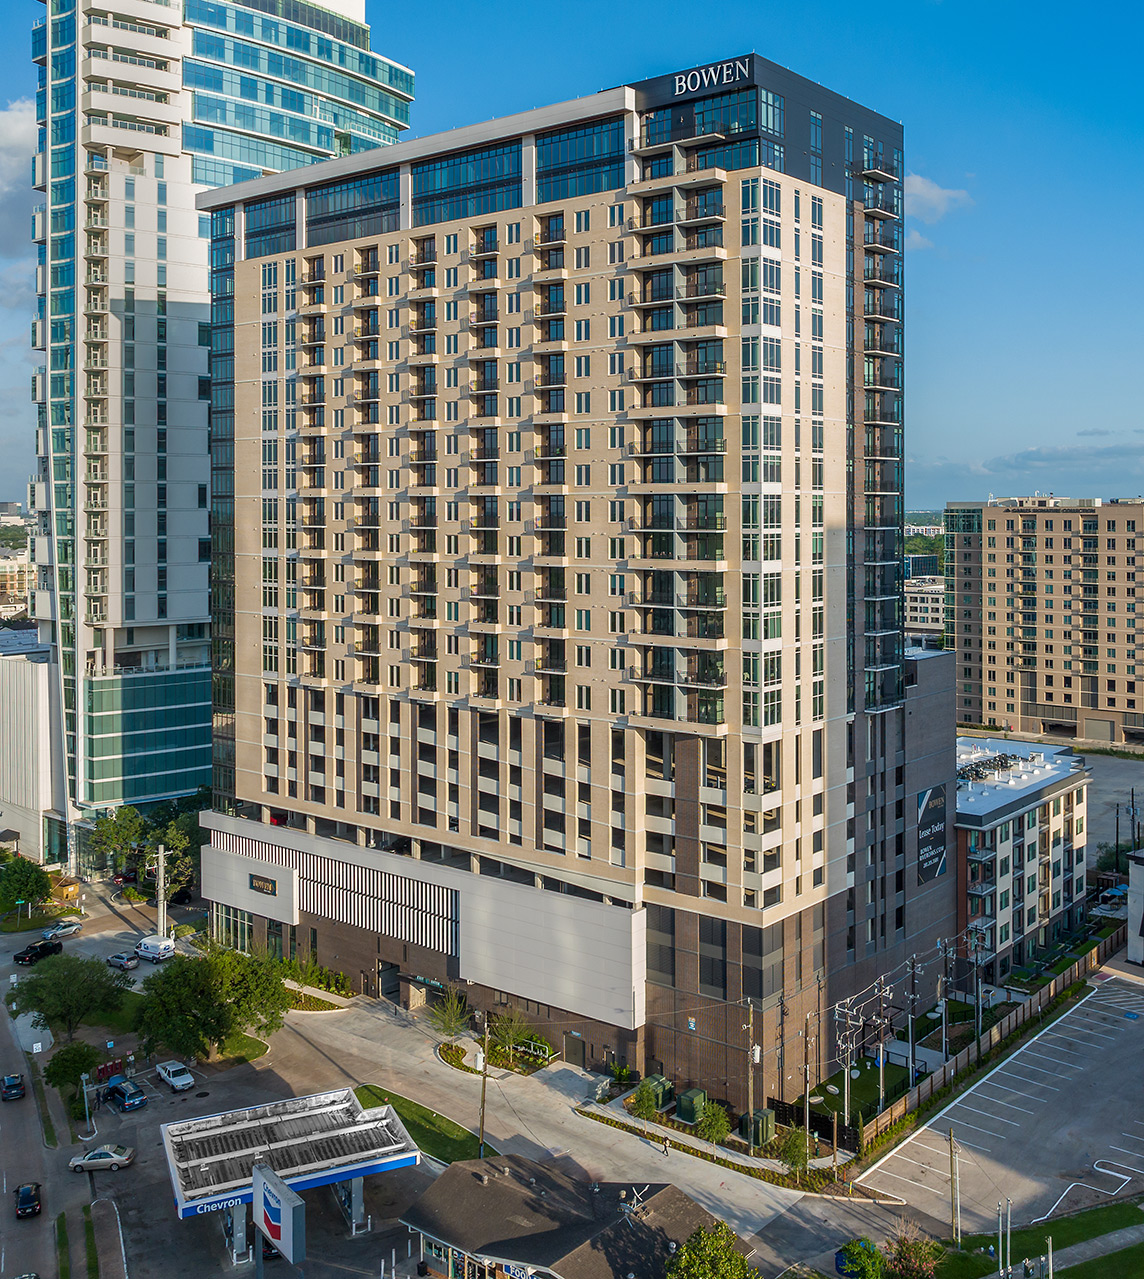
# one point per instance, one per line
(534, 1116)
(1101, 1246)
(656, 1133)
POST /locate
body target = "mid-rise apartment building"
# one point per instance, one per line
(142, 104)
(1021, 839)
(558, 611)
(1041, 610)
(925, 605)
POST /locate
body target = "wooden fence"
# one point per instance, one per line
(1025, 1012)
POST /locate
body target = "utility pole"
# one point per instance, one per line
(161, 890)
(1049, 1241)
(881, 1046)
(484, 1085)
(1009, 1238)
(806, 1085)
(1000, 1250)
(977, 940)
(912, 968)
(750, 1079)
(954, 1192)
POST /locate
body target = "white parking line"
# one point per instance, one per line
(1094, 1033)
(1045, 1057)
(918, 1164)
(1132, 1136)
(1040, 1070)
(998, 1102)
(1013, 1123)
(1068, 1052)
(910, 1180)
(964, 1123)
(1020, 1092)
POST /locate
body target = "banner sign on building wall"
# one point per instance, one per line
(931, 833)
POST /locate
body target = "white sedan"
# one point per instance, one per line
(113, 1157)
(175, 1074)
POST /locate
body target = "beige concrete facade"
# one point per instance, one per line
(1041, 601)
(541, 573)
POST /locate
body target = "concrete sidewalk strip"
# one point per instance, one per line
(108, 1240)
(1101, 1246)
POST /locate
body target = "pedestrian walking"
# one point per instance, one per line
(666, 1148)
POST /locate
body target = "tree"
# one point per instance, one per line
(792, 1151)
(182, 1011)
(863, 1260)
(70, 1063)
(643, 1103)
(710, 1254)
(179, 864)
(449, 1015)
(509, 1030)
(714, 1123)
(118, 835)
(252, 988)
(909, 1255)
(63, 990)
(23, 881)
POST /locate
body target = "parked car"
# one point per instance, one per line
(175, 1074)
(64, 928)
(111, 1157)
(27, 1199)
(269, 1252)
(124, 960)
(38, 950)
(125, 877)
(13, 1088)
(124, 1094)
(183, 897)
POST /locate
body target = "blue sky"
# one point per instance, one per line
(1024, 137)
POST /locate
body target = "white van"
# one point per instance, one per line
(155, 948)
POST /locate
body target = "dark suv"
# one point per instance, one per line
(38, 950)
(13, 1087)
(27, 1199)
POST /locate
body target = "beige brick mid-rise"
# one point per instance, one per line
(534, 668)
(1041, 609)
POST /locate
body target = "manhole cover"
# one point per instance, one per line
(202, 1094)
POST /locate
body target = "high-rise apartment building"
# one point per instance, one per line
(558, 618)
(142, 104)
(1041, 610)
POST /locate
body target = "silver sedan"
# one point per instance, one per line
(113, 1157)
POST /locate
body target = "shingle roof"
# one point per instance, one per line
(513, 1209)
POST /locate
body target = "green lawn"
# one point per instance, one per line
(40, 919)
(863, 1090)
(1128, 1261)
(122, 1022)
(238, 1048)
(1065, 1232)
(433, 1133)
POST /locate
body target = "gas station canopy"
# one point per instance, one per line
(308, 1141)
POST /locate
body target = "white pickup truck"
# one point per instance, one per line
(175, 1074)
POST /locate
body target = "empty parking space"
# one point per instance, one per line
(1047, 1128)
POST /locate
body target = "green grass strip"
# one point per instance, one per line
(1066, 1231)
(1128, 1261)
(42, 1106)
(63, 1257)
(434, 1134)
(89, 1244)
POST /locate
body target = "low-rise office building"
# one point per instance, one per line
(1021, 816)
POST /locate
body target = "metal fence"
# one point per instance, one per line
(1025, 1012)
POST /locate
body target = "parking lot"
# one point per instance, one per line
(1057, 1126)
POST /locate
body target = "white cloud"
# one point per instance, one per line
(928, 202)
(915, 240)
(17, 146)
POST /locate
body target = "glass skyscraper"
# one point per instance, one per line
(141, 105)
